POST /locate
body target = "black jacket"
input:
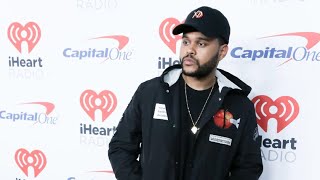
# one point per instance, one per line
(145, 146)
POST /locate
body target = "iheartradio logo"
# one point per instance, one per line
(36, 159)
(30, 33)
(105, 101)
(165, 32)
(284, 110)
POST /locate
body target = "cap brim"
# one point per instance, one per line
(183, 28)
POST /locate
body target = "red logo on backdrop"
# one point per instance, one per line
(165, 31)
(285, 109)
(106, 101)
(30, 33)
(311, 38)
(122, 40)
(49, 106)
(35, 159)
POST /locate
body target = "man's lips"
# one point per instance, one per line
(188, 61)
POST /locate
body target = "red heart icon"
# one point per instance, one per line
(165, 31)
(29, 33)
(285, 109)
(106, 101)
(35, 159)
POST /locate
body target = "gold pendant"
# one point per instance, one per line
(194, 129)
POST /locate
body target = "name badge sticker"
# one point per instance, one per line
(160, 112)
(220, 139)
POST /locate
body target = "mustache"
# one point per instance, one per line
(190, 56)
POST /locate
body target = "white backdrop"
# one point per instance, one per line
(69, 68)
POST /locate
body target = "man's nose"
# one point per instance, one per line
(191, 49)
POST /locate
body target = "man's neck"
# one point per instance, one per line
(202, 83)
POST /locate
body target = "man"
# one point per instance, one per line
(194, 122)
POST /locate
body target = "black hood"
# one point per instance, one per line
(224, 79)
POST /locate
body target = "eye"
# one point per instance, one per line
(201, 44)
(185, 42)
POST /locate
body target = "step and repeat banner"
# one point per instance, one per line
(68, 69)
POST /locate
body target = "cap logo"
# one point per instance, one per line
(197, 14)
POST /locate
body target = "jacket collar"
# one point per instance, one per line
(224, 79)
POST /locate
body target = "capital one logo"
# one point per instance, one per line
(36, 159)
(284, 110)
(29, 33)
(165, 32)
(105, 101)
(121, 39)
(47, 105)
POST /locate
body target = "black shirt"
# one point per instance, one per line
(196, 101)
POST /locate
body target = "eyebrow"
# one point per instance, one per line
(199, 38)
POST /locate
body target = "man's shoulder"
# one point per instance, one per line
(238, 98)
(150, 83)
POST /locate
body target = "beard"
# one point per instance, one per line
(203, 70)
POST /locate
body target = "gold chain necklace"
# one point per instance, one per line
(194, 128)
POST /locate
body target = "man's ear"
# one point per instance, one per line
(223, 50)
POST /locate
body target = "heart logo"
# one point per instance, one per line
(165, 31)
(29, 33)
(106, 101)
(285, 109)
(35, 159)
